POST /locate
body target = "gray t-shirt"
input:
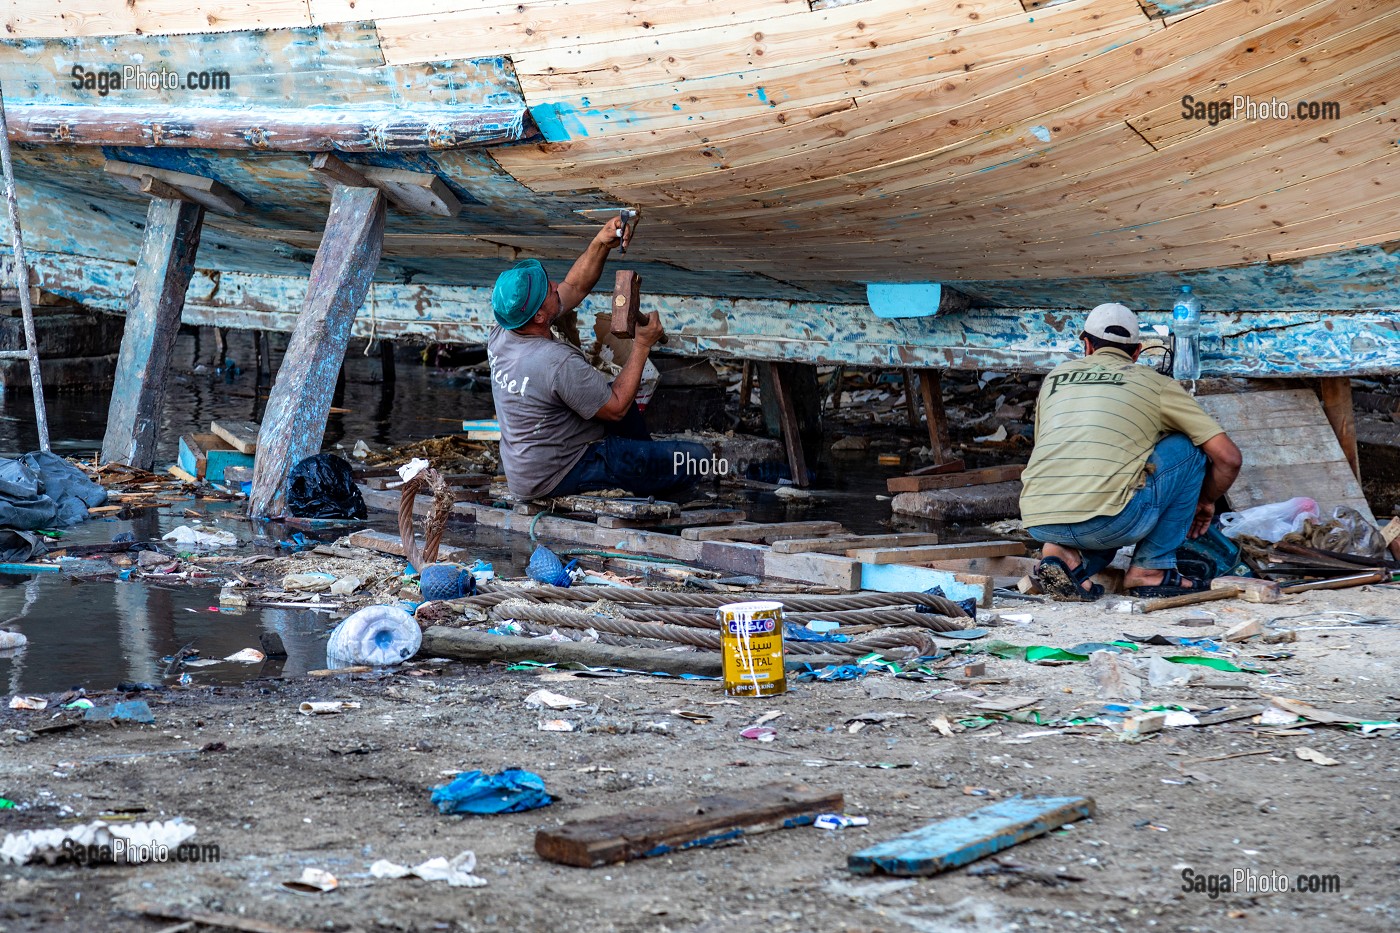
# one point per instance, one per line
(546, 395)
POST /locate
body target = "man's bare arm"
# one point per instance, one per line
(587, 269)
(624, 387)
(1224, 466)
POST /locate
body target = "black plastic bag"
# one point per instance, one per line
(324, 487)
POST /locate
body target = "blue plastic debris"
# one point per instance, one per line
(545, 567)
(511, 791)
(446, 581)
(793, 632)
(126, 711)
(966, 605)
(966, 634)
(833, 672)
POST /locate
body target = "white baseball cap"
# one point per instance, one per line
(1112, 322)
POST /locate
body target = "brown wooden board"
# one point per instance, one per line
(840, 544)
(649, 831)
(680, 520)
(982, 477)
(242, 436)
(1289, 450)
(761, 532)
(920, 555)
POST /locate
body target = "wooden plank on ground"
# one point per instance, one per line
(840, 544)
(1289, 450)
(618, 507)
(385, 543)
(817, 569)
(647, 831)
(760, 532)
(982, 477)
(242, 436)
(680, 520)
(965, 839)
(923, 555)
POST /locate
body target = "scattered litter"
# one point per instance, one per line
(839, 821)
(412, 468)
(457, 873)
(760, 733)
(511, 791)
(201, 539)
(9, 640)
(944, 727)
(544, 699)
(1017, 618)
(556, 725)
(1115, 680)
(325, 707)
(308, 582)
(126, 711)
(34, 703)
(1315, 756)
(965, 634)
(312, 881)
(130, 843)
(247, 656)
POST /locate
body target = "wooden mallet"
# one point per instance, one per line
(627, 305)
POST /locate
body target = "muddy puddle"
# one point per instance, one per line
(98, 633)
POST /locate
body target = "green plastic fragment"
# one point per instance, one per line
(6, 804)
(1219, 664)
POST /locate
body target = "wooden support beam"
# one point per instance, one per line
(1335, 392)
(295, 420)
(212, 195)
(931, 389)
(420, 192)
(163, 270)
(332, 171)
(911, 410)
(787, 418)
(746, 385)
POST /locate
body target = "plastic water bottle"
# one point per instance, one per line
(1186, 336)
(378, 635)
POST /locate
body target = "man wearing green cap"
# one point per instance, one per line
(561, 420)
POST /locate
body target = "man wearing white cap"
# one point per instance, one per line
(1123, 456)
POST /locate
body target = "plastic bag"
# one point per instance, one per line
(1270, 522)
(379, 635)
(323, 486)
(511, 791)
(1352, 534)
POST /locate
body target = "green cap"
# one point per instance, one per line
(519, 293)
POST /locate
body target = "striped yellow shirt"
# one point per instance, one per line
(1097, 420)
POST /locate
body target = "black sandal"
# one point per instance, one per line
(1171, 585)
(1062, 584)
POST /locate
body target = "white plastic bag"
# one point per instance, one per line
(378, 635)
(1270, 522)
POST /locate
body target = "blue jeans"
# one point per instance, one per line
(1156, 519)
(643, 468)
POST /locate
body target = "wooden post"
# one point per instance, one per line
(388, 373)
(787, 417)
(295, 420)
(837, 377)
(1335, 392)
(163, 271)
(910, 409)
(746, 385)
(931, 387)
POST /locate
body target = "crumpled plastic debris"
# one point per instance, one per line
(138, 841)
(31, 703)
(125, 711)
(197, 538)
(9, 640)
(313, 881)
(546, 567)
(511, 791)
(325, 707)
(457, 873)
(839, 821)
(541, 699)
(835, 672)
(308, 582)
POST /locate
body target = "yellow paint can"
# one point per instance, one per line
(752, 640)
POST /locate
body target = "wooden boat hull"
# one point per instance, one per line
(790, 158)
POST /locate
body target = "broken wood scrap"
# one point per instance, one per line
(652, 831)
(982, 477)
(956, 842)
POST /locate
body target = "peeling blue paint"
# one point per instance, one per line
(558, 122)
(1041, 133)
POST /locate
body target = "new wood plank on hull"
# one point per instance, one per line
(149, 17)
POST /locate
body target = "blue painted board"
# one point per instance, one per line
(904, 299)
(216, 459)
(903, 578)
(951, 843)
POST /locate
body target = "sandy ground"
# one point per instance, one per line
(339, 792)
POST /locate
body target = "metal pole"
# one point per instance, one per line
(22, 279)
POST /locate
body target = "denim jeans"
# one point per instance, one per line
(1156, 519)
(643, 468)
